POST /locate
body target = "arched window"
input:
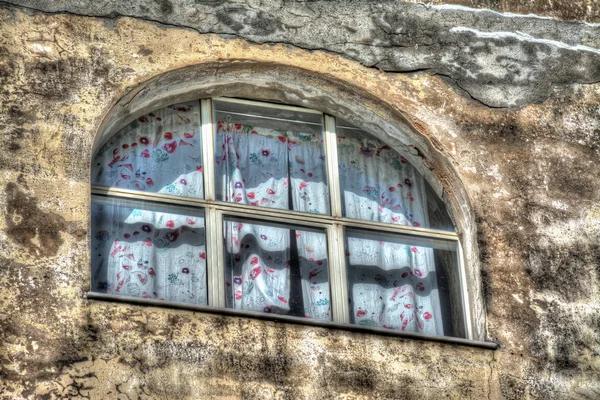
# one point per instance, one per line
(267, 208)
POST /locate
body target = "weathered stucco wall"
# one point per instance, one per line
(506, 104)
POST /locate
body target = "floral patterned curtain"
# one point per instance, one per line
(149, 251)
(159, 252)
(256, 166)
(392, 284)
(270, 168)
(259, 268)
(139, 249)
(160, 152)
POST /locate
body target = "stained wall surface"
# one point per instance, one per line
(504, 111)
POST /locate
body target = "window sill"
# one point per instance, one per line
(293, 320)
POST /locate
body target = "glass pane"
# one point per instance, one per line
(270, 157)
(148, 250)
(276, 269)
(160, 152)
(379, 184)
(404, 283)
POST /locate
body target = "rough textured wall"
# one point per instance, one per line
(501, 61)
(510, 100)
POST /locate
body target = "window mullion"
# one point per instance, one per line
(335, 233)
(214, 258)
(220, 254)
(208, 149)
(338, 277)
(214, 220)
(333, 175)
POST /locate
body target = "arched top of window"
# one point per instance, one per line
(268, 208)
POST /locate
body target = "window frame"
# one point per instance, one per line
(333, 224)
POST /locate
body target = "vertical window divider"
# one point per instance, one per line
(211, 272)
(214, 258)
(464, 290)
(335, 233)
(208, 149)
(337, 273)
(213, 220)
(333, 175)
(219, 263)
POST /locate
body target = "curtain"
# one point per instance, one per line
(145, 251)
(160, 152)
(148, 251)
(286, 170)
(257, 166)
(142, 250)
(259, 264)
(392, 285)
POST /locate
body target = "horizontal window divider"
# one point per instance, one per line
(145, 196)
(275, 214)
(399, 229)
(285, 223)
(294, 320)
(266, 105)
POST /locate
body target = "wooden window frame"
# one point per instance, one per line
(333, 224)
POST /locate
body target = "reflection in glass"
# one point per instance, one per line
(145, 250)
(275, 269)
(404, 283)
(270, 157)
(379, 184)
(160, 152)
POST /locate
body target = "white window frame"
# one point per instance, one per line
(334, 226)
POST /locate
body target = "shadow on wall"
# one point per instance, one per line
(37, 231)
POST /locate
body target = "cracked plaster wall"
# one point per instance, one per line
(499, 60)
(508, 101)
